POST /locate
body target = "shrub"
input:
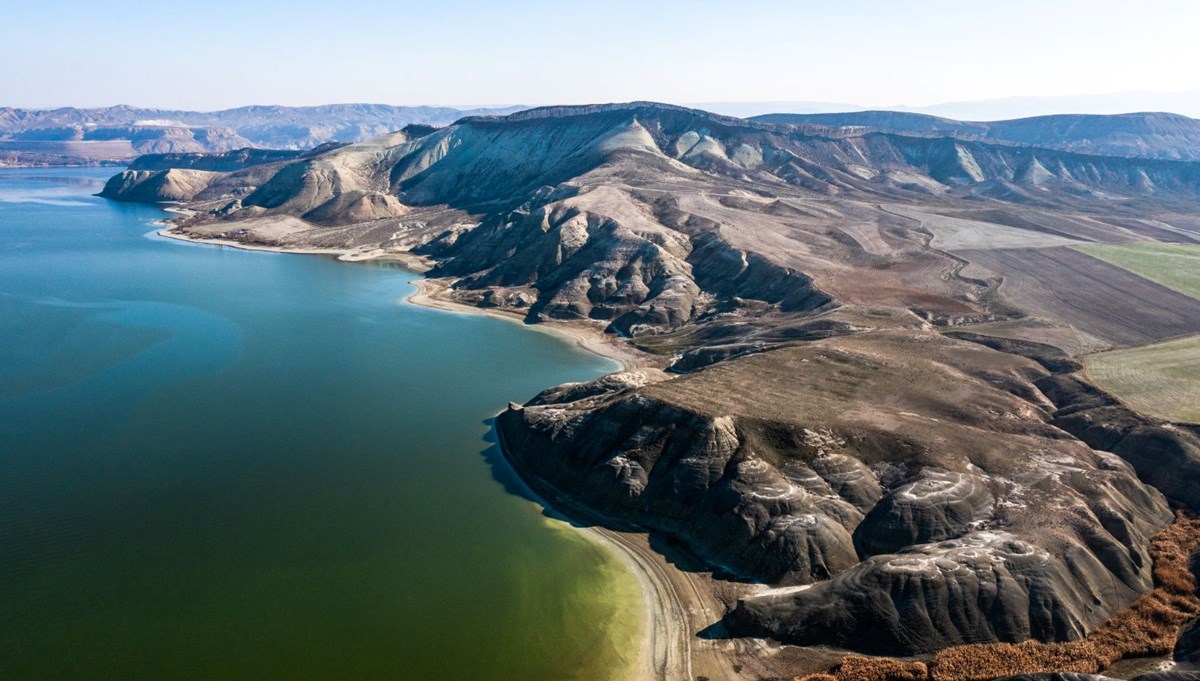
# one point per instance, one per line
(1149, 627)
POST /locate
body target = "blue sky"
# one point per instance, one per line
(222, 53)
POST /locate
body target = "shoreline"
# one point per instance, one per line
(678, 604)
(589, 337)
(430, 293)
(666, 653)
(666, 650)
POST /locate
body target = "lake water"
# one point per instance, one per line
(221, 464)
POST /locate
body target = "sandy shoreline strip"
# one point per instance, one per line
(588, 336)
(433, 293)
(666, 653)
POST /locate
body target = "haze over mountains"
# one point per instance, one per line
(1149, 135)
(1186, 103)
(118, 133)
(72, 136)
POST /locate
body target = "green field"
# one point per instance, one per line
(1161, 380)
(1175, 266)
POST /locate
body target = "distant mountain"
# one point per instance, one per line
(1145, 135)
(748, 109)
(486, 160)
(124, 132)
(1187, 103)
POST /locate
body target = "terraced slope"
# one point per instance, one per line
(913, 481)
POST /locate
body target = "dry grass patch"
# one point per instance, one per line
(1149, 627)
(1162, 380)
(1175, 266)
(816, 677)
(859, 668)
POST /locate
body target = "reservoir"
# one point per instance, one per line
(223, 464)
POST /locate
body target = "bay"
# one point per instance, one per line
(221, 464)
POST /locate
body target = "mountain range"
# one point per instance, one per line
(120, 133)
(1149, 135)
(1184, 102)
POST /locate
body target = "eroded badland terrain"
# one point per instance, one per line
(858, 413)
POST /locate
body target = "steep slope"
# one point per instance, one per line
(147, 186)
(225, 162)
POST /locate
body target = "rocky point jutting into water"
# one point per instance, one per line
(870, 407)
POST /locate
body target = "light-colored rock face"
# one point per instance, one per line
(982, 586)
(947, 514)
(936, 505)
(152, 186)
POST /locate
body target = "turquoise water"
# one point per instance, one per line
(221, 464)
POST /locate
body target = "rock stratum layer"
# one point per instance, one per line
(870, 421)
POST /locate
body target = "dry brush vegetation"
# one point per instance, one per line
(1149, 627)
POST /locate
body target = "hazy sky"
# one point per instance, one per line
(220, 53)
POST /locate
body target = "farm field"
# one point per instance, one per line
(955, 234)
(1176, 266)
(1091, 295)
(1161, 380)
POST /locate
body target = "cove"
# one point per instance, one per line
(221, 464)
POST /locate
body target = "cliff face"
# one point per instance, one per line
(902, 493)
(484, 160)
(154, 186)
(224, 162)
